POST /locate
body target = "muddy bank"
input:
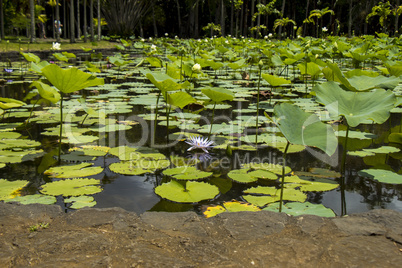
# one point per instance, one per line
(117, 238)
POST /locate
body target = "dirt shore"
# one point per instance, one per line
(117, 238)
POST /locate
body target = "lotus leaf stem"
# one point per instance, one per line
(283, 176)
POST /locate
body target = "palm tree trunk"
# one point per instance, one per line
(179, 17)
(78, 21)
(252, 14)
(85, 21)
(283, 14)
(350, 18)
(231, 17)
(223, 17)
(32, 13)
(196, 22)
(58, 21)
(72, 26)
(258, 21)
(397, 19)
(99, 22)
(66, 26)
(91, 17)
(154, 21)
(1, 19)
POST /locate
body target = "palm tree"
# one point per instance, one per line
(85, 21)
(91, 19)
(283, 23)
(72, 30)
(383, 10)
(318, 14)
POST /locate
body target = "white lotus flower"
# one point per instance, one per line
(198, 142)
(56, 46)
(196, 68)
(270, 35)
(324, 29)
(153, 47)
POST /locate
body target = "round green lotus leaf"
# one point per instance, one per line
(261, 200)
(124, 152)
(241, 176)
(128, 168)
(190, 192)
(319, 173)
(383, 150)
(187, 173)
(288, 194)
(392, 138)
(18, 143)
(2, 165)
(9, 135)
(274, 168)
(110, 128)
(296, 209)
(80, 139)
(263, 174)
(19, 155)
(381, 175)
(71, 187)
(236, 206)
(360, 153)
(73, 171)
(34, 199)
(223, 184)
(356, 135)
(8, 189)
(81, 201)
(308, 184)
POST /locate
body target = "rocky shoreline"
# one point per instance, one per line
(45, 236)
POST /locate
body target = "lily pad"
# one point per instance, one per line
(73, 171)
(72, 187)
(190, 192)
(381, 175)
(186, 173)
(232, 206)
(8, 189)
(296, 209)
(34, 199)
(81, 201)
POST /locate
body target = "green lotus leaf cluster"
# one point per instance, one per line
(186, 173)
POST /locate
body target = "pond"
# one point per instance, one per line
(114, 153)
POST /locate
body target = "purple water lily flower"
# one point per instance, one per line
(198, 142)
(8, 70)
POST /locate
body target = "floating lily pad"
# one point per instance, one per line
(296, 209)
(8, 189)
(274, 168)
(7, 156)
(381, 175)
(18, 143)
(186, 173)
(306, 184)
(73, 171)
(72, 187)
(81, 201)
(190, 192)
(139, 167)
(232, 206)
(34, 199)
(273, 195)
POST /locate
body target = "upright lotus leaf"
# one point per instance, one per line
(237, 64)
(275, 81)
(47, 92)
(190, 192)
(312, 69)
(9, 188)
(356, 107)
(69, 55)
(7, 103)
(60, 57)
(118, 61)
(154, 61)
(218, 94)
(72, 187)
(180, 99)
(37, 68)
(69, 80)
(364, 83)
(333, 73)
(31, 57)
(303, 128)
(164, 82)
(394, 69)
